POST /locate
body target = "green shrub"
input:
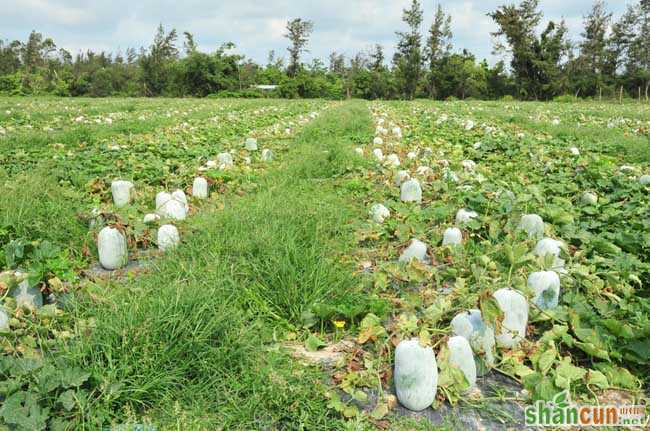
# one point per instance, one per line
(11, 85)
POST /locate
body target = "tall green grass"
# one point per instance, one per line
(34, 207)
(192, 344)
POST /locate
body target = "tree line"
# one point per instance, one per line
(538, 62)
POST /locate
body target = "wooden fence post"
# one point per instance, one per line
(620, 95)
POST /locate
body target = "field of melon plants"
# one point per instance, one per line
(265, 264)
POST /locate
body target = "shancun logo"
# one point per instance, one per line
(560, 412)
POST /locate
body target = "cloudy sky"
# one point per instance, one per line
(258, 26)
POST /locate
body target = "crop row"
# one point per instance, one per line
(468, 215)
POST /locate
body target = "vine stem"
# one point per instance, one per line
(505, 373)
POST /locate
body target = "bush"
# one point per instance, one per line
(507, 98)
(101, 84)
(62, 89)
(11, 84)
(289, 89)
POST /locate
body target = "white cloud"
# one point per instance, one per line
(256, 27)
(50, 10)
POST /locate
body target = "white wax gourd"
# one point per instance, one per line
(589, 198)
(4, 320)
(452, 236)
(410, 191)
(416, 249)
(174, 209)
(122, 192)
(546, 246)
(532, 224)
(424, 171)
(111, 245)
(401, 176)
(168, 237)
(411, 155)
(378, 141)
(397, 132)
(162, 198)
(464, 216)
(225, 160)
(416, 375)
(379, 213)
(469, 324)
(468, 165)
(546, 288)
(267, 155)
(179, 195)
(379, 155)
(359, 151)
(515, 317)
(200, 188)
(644, 180)
(460, 355)
(393, 160)
(150, 218)
(462, 325)
(251, 144)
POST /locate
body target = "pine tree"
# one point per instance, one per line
(593, 47)
(337, 63)
(438, 46)
(592, 70)
(298, 32)
(377, 58)
(408, 58)
(536, 61)
(155, 63)
(190, 44)
(629, 50)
